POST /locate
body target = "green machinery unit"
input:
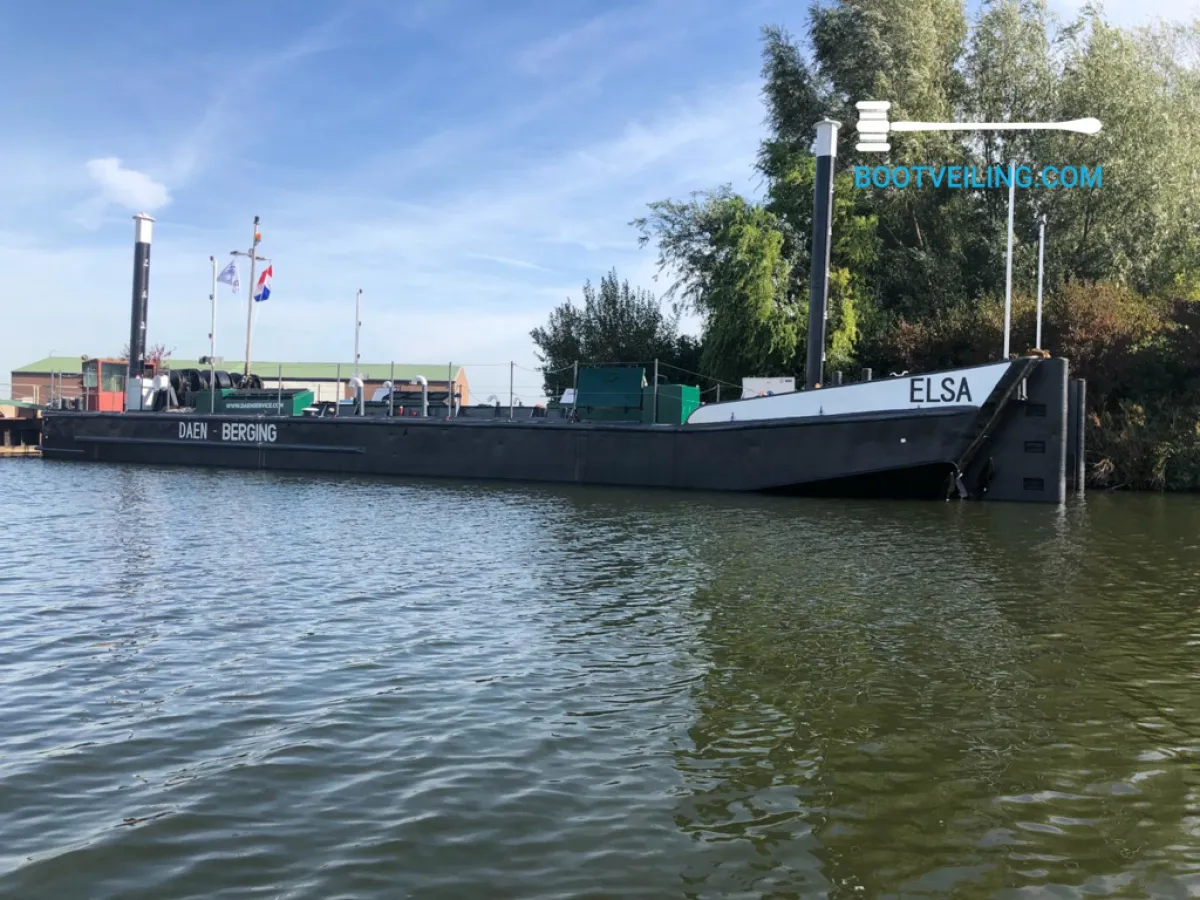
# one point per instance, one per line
(675, 403)
(288, 402)
(621, 394)
(610, 394)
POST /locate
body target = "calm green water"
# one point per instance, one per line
(306, 687)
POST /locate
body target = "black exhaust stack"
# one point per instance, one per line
(142, 227)
(825, 150)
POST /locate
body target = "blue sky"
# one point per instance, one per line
(466, 163)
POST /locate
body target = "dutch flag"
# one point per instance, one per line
(263, 291)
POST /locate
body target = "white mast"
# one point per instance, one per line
(254, 257)
(212, 341)
(357, 325)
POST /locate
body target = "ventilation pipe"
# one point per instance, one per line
(388, 387)
(142, 229)
(360, 406)
(420, 379)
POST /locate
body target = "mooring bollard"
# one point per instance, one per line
(1077, 432)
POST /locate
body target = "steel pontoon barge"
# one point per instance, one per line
(997, 431)
(891, 437)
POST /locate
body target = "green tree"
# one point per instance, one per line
(560, 346)
(917, 273)
(903, 51)
(854, 251)
(744, 268)
(728, 258)
(616, 323)
(1139, 228)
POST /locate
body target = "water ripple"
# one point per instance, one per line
(312, 687)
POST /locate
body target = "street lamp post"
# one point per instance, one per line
(1041, 257)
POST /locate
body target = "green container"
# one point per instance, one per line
(258, 403)
(675, 403)
(611, 393)
(205, 400)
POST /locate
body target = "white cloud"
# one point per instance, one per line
(609, 40)
(536, 58)
(463, 276)
(573, 199)
(127, 188)
(505, 261)
(454, 268)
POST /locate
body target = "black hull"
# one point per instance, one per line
(966, 452)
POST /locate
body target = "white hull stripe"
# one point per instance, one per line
(936, 390)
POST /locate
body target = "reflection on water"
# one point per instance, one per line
(313, 687)
(961, 699)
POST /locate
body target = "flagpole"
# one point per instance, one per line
(254, 257)
(250, 297)
(212, 341)
(357, 324)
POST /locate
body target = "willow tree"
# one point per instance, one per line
(1139, 228)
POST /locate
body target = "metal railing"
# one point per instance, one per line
(47, 392)
(516, 386)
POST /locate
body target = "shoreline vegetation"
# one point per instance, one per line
(917, 276)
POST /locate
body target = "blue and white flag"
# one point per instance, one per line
(230, 276)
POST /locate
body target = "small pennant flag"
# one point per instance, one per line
(229, 276)
(264, 285)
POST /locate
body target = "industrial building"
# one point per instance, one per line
(62, 377)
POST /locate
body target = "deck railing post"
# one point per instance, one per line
(575, 392)
(279, 393)
(654, 402)
(392, 391)
(337, 393)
